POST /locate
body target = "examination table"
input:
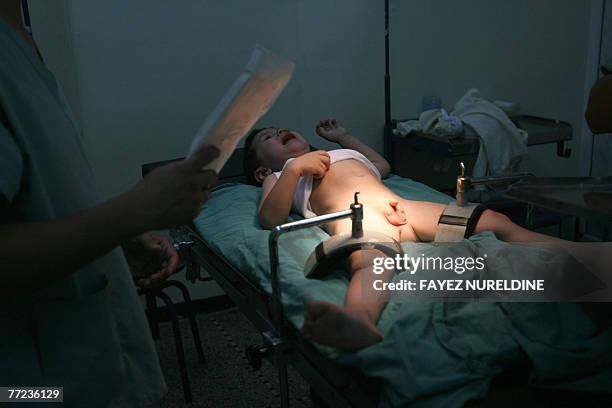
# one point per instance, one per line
(434, 353)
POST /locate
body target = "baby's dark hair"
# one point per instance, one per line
(251, 161)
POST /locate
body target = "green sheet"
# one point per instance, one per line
(433, 353)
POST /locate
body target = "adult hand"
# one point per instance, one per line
(173, 194)
(152, 259)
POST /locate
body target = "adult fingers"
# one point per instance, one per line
(200, 158)
(143, 283)
(151, 242)
(173, 260)
(196, 201)
(156, 278)
(161, 274)
(206, 154)
(206, 179)
(171, 257)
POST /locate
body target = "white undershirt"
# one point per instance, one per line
(303, 190)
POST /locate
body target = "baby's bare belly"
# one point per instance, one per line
(336, 190)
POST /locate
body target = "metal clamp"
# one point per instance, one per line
(465, 183)
(356, 218)
(182, 242)
(256, 353)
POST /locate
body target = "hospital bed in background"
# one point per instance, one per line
(333, 384)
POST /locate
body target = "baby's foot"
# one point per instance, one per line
(341, 327)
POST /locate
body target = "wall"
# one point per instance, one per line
(148, 74)
(144, 74)
(52, 30)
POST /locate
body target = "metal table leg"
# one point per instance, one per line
(190, 316)
(178, 343)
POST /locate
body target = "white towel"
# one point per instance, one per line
(436, 121)
(503, 146)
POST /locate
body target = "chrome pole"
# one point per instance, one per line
(475, 181)
(465, 183)
(277, 304)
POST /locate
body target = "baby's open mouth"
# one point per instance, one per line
(287, 137)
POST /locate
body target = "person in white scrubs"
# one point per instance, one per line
(69, 312)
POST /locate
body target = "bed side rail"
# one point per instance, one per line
(231, 172)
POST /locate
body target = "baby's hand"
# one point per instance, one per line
(313, 164)
(330, 130)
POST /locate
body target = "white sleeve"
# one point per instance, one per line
(11, 164)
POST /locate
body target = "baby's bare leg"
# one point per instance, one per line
(508, 231)
(423, 217)
(361, 294)
(595, 256)
(353, 326)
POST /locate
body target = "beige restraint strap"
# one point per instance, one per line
(455, 221)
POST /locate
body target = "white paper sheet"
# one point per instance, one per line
(249, 98)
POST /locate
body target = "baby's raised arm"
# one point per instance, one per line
(277, 193)
(330, 130)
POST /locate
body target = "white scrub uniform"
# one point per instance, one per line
(86, 333)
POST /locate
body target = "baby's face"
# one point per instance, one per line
(275, 146)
